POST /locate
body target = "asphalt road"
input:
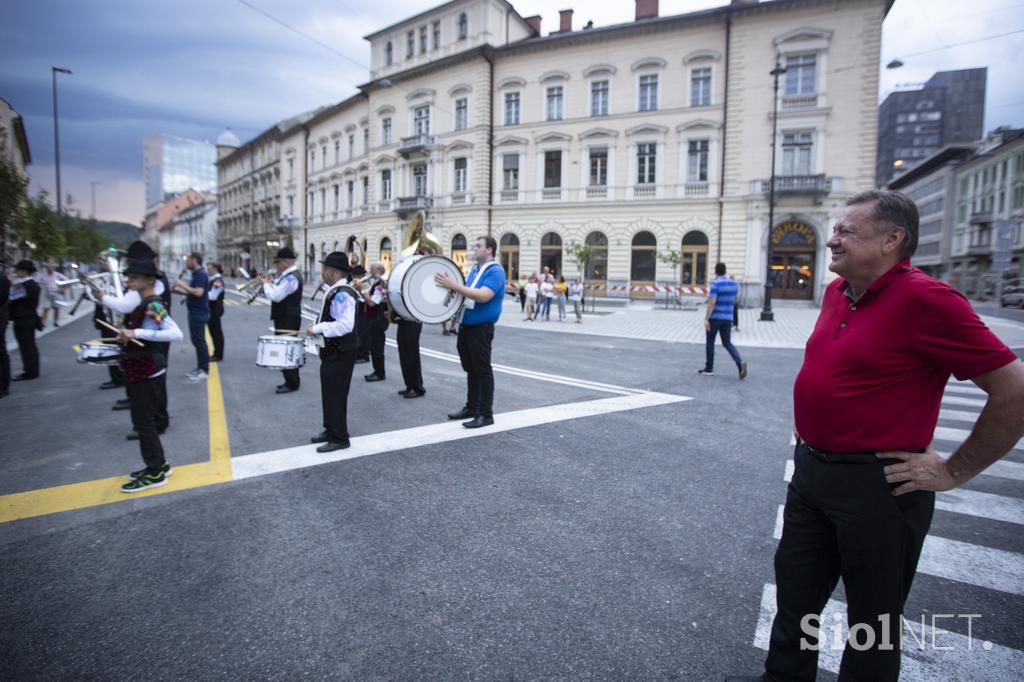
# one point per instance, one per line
(631, 545)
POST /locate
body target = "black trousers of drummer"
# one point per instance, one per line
(363, 334)
(377, 328)
(291, 376)
(408, 338)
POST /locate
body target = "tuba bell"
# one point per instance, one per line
(418, 240)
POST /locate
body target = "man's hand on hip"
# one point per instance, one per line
(918, 471)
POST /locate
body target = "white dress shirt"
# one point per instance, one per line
(129, 301)
(343, 310)
(283, 286)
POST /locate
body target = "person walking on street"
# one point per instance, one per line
(718, 320)
(198, 302)
(216, 296)
(576, 296)
(865, 405)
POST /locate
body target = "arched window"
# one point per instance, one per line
(643, 264)
(385, 255)
(389, 54)
(597, 268)
(508, 255)
(694, 271)
(459, 252)
(551, 252)
(463, 26)
(323, 250)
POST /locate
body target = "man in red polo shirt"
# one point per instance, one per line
(866, 402)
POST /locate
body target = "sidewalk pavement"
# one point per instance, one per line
(644, 320)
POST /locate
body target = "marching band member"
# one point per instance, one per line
(285, 294)
(374, 310)
(336, 324)
(216, 296)
(25, 318)
(145, 370)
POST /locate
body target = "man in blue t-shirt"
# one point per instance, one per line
(718, 320)
(198, 302)
(484, 291)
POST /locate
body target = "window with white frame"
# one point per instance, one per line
(323, 202)
(598, 166)
(553, 169)
(351, 146)
(797, 153)
(337, 197)
(291, 205)
(366, 140)
(410, 44)
(437, 35)
(461, 113)
(599, 98)
(511, 108)
(337, 152)
(800, 74)
(510, 171)
(323, 155)
(461, 175)
(366, 190)
(697, 161)
(555, 103)
(646, 158)
(351, 193)
(649, 92)
(389, 54)
(385, 131)
(291, 169)
(309, 206)
(700, 87)
(463, 26)
(421, 120)
(419, 179)
(423, 39)
(385, 184)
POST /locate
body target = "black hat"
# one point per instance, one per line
(338, 261)
(141, 266)
(26, 265)
(285, 254)
(359, 271)
(140, 249)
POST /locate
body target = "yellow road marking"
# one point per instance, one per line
(63, 498)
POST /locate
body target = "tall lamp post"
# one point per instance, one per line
(54, 70)
(766, 311)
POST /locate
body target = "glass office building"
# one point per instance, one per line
(173, 164)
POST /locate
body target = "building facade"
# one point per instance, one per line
(173, 164)
(193, 229)
(159, 222)
(638, 140)
(914, 124)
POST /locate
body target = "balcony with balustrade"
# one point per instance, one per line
(417, 145)
(405, 207)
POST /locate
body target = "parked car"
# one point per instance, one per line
(1013, 296)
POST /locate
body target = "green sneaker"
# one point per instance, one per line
(166, 470)
(144, 482)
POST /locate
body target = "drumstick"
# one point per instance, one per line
(294, 332)
(115, 329)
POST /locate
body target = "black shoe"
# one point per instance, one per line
(464, 413)
(166, 470)
(107, 385)
(331, 446)
(374, 377)
(743, 370)
(122, 405)
(360, 361)
(321, 437)
(415, 393)
(24, 377)
(285, 389)
(123, 401)
(477, 422)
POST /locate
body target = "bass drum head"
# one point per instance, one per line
(414, 294)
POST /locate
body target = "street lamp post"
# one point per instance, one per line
(766, 311)
(54, 70)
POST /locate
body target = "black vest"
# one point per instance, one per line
(338, 344)
(291, 307)
(136, 362)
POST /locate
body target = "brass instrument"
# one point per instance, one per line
(96, 275)
(418, 240)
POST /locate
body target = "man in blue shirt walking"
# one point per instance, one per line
(484, 291)
(718, 320)
(198, 302)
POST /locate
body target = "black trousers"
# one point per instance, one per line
(474, 346)
(116, 375)
(145, 397)
(335, 379)
(5, 358)
(363, 333)
(26, 338)
(216, 332)
(408, 337)
(841, 520)
(377, 328)
(291, 376)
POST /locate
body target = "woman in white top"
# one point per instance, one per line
(576, 296)
(531, 296)
(547, 290)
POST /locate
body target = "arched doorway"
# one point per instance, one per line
(385, 255)
(643, 263)
(508, 255)
(794, 251)
(551, 252)
(459, 252)
(694, 270)
(596, 275)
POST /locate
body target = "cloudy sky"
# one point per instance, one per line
(192, 67)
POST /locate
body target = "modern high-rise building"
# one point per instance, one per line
(174, 164)
(914, 124)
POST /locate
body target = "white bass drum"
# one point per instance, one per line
(414, 295)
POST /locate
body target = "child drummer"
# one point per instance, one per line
(145, 370)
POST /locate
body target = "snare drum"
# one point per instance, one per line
(99, 353)
(280, 352)
(414, 295)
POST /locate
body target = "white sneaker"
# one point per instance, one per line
(197, 376)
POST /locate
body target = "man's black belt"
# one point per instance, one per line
(838, 457)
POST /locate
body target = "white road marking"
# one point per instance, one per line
(275, 461)
(965, 389)
(790, 466)
(960, 435)
(983, 505)
(966, 402)
(926, 657)
(958, 416)
(779, 522)
(963, 562)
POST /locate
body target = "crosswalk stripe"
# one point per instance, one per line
(966, 402)
(1000, 468)
(790, 465)
(960, 435)
(964, 389)
(958, 415)
(983, 505)
(963, 562)
(928, 654)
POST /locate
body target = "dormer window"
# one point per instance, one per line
(463, 26)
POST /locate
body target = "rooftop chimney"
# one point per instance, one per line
(565, 21)
(534, 23)
(646, 9)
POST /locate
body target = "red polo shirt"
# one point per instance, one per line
(874, 371)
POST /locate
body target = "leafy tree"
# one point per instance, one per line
(673, 258)
(12, 193)
(39, 224)
(583, 255)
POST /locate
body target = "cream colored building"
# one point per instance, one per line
(638, 139)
